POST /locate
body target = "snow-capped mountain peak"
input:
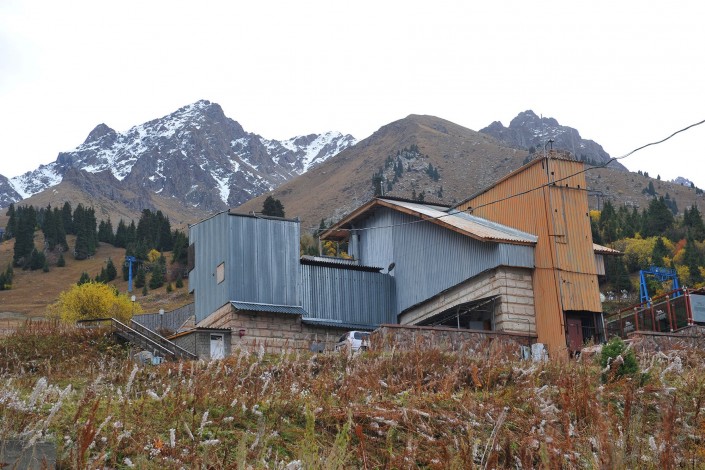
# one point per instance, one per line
(196, 154)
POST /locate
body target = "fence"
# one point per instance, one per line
(170, 321)
(665, 313)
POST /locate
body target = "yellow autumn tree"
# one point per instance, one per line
(153, 255)
(93, 300)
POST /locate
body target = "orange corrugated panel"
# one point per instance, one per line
(580, 292)
(564, 254)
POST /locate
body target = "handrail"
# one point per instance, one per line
(178, 350)
(149, 341)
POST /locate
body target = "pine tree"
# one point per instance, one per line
(36, 260)
(693, 260)
(121, 235)
(24, 235)
(608, 223)
(140, 279)
(157, 279)
(110, 271)
(657, 219)
(105, 232)
(61, 262)
(658, 253)
(67, 219)
(693, 222)
(85, 278)
(180, 247)
(11, 222)
(273, 207)
(179, 282)
(50, 229)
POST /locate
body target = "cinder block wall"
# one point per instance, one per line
(198, 343)
(401, 337)
(514, 311)
(273, 331)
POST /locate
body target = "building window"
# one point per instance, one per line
(220, 273)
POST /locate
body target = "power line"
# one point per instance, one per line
(552, 183)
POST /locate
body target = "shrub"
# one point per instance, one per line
(93, 300)
(610, 352)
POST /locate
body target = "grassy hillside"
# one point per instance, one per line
(32, 291)
(416, 409)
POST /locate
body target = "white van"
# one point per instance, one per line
(354, 341)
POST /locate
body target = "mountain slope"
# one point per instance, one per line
(464, 160)
(528, 130)
(195, 154)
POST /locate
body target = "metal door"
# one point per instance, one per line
(217, 347)
(575, 334)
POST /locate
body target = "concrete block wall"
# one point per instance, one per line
(403, 337)
(273, 331)
(198, 343)
(514, 311)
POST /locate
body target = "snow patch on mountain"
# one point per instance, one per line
(196, 146)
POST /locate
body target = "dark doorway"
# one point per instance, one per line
(575, 334)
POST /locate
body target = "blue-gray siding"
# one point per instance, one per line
(427, 258)
(345, 295)
(261, 259)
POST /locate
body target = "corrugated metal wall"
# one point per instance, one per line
(351, 296)
(261, 259)
(265, 258)
(210, 241)
(565, 262)
(429, 259)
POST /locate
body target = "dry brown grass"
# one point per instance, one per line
(380, 409)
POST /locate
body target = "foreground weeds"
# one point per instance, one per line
(391, 409)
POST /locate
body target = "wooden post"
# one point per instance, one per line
(653, 318)
(636, 319)
(669, 314)
(688, 311)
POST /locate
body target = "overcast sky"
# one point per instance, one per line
(622, 73)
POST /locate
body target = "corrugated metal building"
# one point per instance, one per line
(445, 264)
(246, 275)
(547, 197)
(244, 258)
(516, 257)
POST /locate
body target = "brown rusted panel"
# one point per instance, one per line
(549, 317)
(547, 197)
(580, 292)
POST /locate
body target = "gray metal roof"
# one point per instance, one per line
(272, 308)
(474, 226)
(604, 250)
(337, 324)
(339, 263)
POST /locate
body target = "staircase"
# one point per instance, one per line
(144, 338)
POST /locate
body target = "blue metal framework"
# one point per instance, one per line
(130, 260)
(661, 274)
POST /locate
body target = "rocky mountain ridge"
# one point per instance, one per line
(531, 132)
(195, 154)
